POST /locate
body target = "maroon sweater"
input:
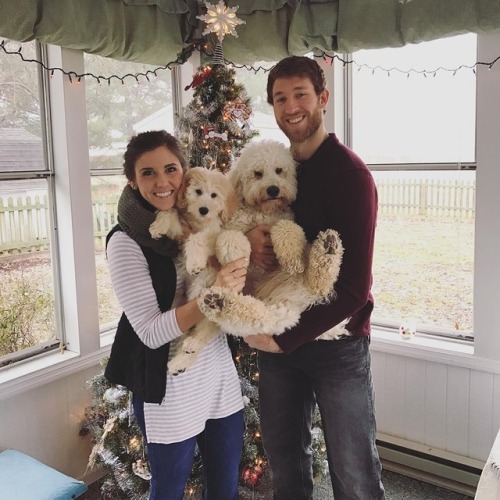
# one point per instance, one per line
(336, 190)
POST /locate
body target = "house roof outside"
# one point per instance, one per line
(20, 151)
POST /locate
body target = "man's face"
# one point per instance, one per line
(297, 108)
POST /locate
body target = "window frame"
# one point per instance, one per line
(46, 174)
(390, 326)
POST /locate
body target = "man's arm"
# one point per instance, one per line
(352, 212)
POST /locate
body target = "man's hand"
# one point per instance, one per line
(262, 342)
(262, 254)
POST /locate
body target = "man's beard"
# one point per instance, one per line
(298, 136)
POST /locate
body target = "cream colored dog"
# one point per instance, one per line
(206, 200)
(264, 178)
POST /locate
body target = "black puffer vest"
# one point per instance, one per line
(131, 363)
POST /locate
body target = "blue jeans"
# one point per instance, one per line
(220, 446)
(336, 375)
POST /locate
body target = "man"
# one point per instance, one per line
(335, 190)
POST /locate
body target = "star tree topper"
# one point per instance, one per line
(220, 20)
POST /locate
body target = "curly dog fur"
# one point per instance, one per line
(264, 178)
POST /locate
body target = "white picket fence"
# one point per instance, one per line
(24, 221)
(429, 197)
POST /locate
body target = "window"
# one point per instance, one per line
(115, 112)
(27, 299)
(417, 134)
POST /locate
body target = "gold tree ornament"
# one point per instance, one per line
(221, 20)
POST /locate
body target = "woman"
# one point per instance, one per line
(203, 405)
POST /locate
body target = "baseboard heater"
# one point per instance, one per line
(428, 468)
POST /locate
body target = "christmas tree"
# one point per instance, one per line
(214, 126)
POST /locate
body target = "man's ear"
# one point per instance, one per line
(324, 97)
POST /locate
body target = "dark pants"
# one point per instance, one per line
(220, 446)
(336, 375)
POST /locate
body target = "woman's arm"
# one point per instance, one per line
(134, 290)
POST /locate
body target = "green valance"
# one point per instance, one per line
(157, 31)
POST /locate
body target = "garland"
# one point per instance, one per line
(203, 49)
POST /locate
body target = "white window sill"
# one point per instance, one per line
(50, 367)
(35, 372)
(433, 349)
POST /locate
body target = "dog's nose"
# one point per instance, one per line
(203, 210)
(273, 191)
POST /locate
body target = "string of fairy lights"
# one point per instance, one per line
(203, 48)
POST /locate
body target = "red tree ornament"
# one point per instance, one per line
(199, 77)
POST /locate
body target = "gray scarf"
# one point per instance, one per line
(135, 215)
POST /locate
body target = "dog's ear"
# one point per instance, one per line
(181, 201)
(230, 206)
(234, 176)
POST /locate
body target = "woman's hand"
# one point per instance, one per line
(262, 254)
(233, 275)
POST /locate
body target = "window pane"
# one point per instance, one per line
(106, 191)
(424, 249)
(115, 112)
(20, 124)
(401, 119)
(27, 317)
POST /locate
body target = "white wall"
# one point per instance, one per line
(441, 409)
(45, 421)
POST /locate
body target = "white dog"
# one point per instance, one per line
(205, 201)
(264, 178)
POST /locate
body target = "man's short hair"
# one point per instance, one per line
(300, 66)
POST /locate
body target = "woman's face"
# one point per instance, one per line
(158, 176)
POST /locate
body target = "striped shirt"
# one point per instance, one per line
(210, 389)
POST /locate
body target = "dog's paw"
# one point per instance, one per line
(194, 271)
(213, 301)
(289, 241)
(177, 365)
(194, 265)
(155, 230)
(177, 372)
(189, 346)
(330, 241)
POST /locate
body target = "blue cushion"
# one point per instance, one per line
(24, 478)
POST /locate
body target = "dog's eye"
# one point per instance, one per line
(279, 170)
(214, 195)
(199, 192)
(258, 175)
